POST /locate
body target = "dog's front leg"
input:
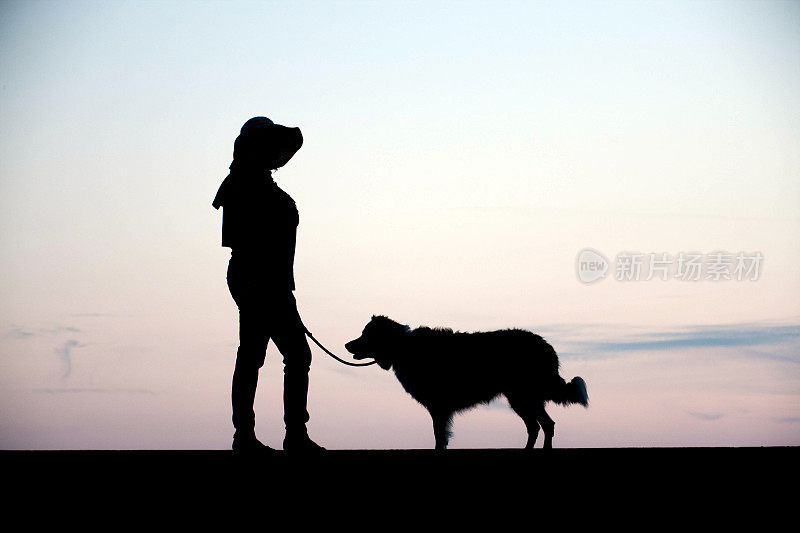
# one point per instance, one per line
(441, 428)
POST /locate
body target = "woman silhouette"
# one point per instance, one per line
(259, 225)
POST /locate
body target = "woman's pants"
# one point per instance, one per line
(267, 313)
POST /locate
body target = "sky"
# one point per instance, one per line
(458, 158)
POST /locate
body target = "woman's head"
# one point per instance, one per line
(264, 145)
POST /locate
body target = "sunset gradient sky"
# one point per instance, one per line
(458, 156)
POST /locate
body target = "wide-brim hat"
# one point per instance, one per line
(263, 144)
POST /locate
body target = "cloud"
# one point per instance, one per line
(707, 417)
(59, 329)
(64, 351)
(94, 391)
(21, 332)
(18, 332)
(733, 335)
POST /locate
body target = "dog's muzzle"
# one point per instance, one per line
(355, 348)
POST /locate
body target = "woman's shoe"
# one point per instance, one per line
(249, 444)
(300, 442)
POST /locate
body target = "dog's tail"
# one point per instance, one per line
(572, 392)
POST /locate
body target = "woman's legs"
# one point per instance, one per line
(265, 314)
(250, 356)
(288, 333)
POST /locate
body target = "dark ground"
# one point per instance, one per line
(642, 488)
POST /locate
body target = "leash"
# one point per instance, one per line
(324, 349)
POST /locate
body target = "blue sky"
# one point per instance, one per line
(457, 158)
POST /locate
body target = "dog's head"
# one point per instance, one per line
(379, 340)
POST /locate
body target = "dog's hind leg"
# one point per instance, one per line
(527, 411)
(548, 426)
(442, 421)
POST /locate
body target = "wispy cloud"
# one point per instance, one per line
(707, 417)
(18, 332)
(64, 351)
(21, 332)
(95, 391)
(733, 335)
(59, 329)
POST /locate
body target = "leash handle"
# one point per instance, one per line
(324, 349)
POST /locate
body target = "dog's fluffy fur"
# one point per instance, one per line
(449, 371)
